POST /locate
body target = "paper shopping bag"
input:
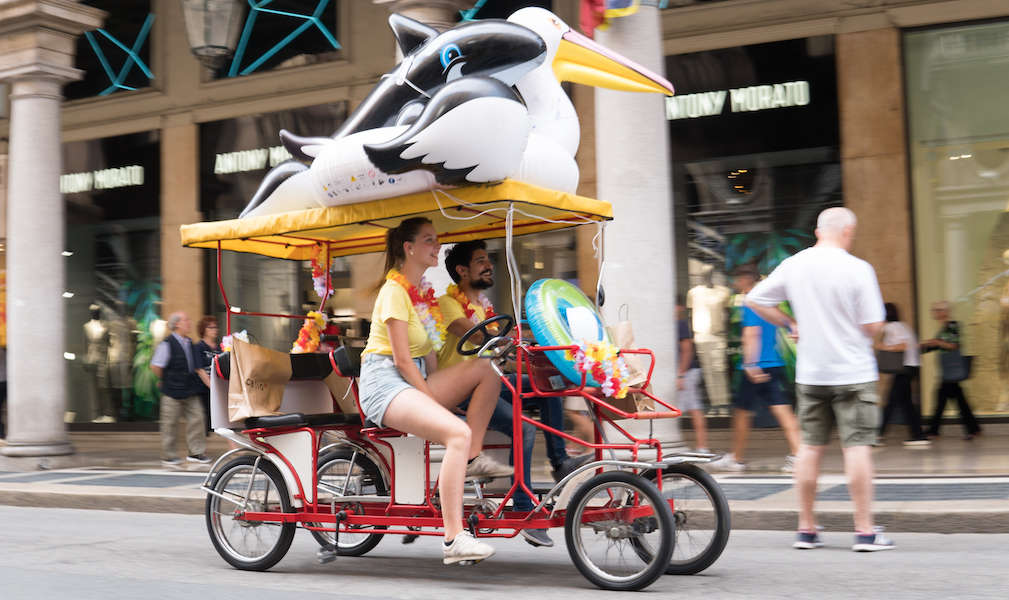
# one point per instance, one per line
(623, 337)
(258, 378)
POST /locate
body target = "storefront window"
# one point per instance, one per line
(113, 277)
(235, 156)
(957, 81)
(754, 143)
(116, 57)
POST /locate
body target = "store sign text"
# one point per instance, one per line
(106, 179)
(747, 99)
(249, 160)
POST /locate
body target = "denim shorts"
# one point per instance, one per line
(380, 382)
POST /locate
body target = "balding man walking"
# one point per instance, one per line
(839, 309)
(180, 386)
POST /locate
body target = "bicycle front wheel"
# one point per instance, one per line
(619, 531)
(702, 518)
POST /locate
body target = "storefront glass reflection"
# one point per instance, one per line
(235, 155)
(754, 139)
(113, 277)
(957, 82)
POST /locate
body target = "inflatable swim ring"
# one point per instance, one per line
(560, 314)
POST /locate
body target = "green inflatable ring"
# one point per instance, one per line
(547, 304)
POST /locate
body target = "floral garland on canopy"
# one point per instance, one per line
(426, 305)
(321, 278)
(308, 338)
(467, 307)
(226, 340)
(603, 362)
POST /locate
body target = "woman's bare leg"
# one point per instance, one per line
(414, 412)
(474, 379)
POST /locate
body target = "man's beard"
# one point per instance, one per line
(481, 284)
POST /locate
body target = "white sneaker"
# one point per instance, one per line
(728, 463)
(485, 466)
(466, 550)
(789, 464)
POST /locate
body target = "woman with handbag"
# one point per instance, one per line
(954, 370)
(898, 355)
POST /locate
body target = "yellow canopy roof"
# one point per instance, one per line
(458, 214)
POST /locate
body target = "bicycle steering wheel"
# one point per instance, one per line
(482, 328)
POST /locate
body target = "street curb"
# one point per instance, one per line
(110, 501)
(920, 521)
(978, 520)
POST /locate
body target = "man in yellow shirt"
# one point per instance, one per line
(462, 307)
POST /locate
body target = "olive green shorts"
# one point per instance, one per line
(853, 408)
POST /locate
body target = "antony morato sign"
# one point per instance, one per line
(746, 99)
(105, 179)
(249, 160)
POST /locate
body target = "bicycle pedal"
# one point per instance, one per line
(466, 563)
(479, 480)
(326, 554)
(409, 539)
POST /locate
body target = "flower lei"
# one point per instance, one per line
(488, 308)
(602, 361)
(226, 340)
(308, 338)
(321, 279)
(426, 306)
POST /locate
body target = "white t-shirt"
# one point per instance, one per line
(832, 294)
(897, 332)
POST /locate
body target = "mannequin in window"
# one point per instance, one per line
(121, 349)
(709, 304)
(96, 366)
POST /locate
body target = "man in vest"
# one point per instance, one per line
(173, 364)
(463, 306)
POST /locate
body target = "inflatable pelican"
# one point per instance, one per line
(481, 102)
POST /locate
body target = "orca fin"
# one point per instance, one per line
(410, 34)
(304, 149)
(387, 156)
(276, 176)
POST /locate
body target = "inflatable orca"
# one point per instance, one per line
(478, 103)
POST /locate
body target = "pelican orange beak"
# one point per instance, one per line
(581, 60)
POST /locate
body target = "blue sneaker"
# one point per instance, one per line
(872, 542)
(807, 541)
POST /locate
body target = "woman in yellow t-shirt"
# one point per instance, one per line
(401, 386)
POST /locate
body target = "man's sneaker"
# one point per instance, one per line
(569, 466)
(728, 463)
(918, 443)
(872, 542)
(171, 462)
(466, 550)
(789, 464)
(537, 537)
(807, 541)
(485, 466)
(198, 458)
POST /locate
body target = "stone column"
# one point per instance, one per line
(181, 268)
(37, 59)
(633, 173)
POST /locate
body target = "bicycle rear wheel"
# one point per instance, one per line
(341, 473)
(249, 545)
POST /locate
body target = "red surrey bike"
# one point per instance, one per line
(630, 515)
